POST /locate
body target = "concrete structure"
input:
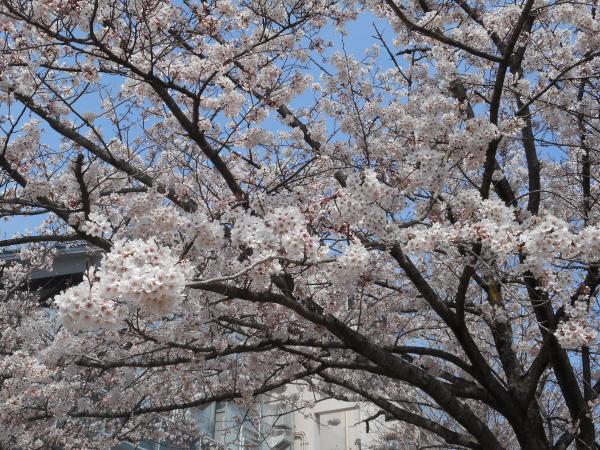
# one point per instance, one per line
(330, 425)
(334, 426)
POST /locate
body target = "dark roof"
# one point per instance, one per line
(68, 260)
(70, 263)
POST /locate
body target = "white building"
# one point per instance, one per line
(330, 425)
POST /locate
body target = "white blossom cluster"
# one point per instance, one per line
(550, 236)
(360, 204)
(85, 307)
(577, 330)
(257, 136)
(349, 266)
(13, 275)
(424, 240)
(135, 274)
(19, 151)
(282, 231)
(148, 216)
(97, 225)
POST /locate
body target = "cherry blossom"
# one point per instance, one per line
(390, 202)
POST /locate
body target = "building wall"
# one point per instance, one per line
(330, 425)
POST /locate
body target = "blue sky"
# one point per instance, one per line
(358, 38)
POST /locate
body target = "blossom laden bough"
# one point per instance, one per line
(415, 222)
(135, 275)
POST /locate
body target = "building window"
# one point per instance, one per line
(299, 441)
(337, 430)
(220, 425)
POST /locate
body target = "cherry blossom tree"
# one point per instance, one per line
(415, 225)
